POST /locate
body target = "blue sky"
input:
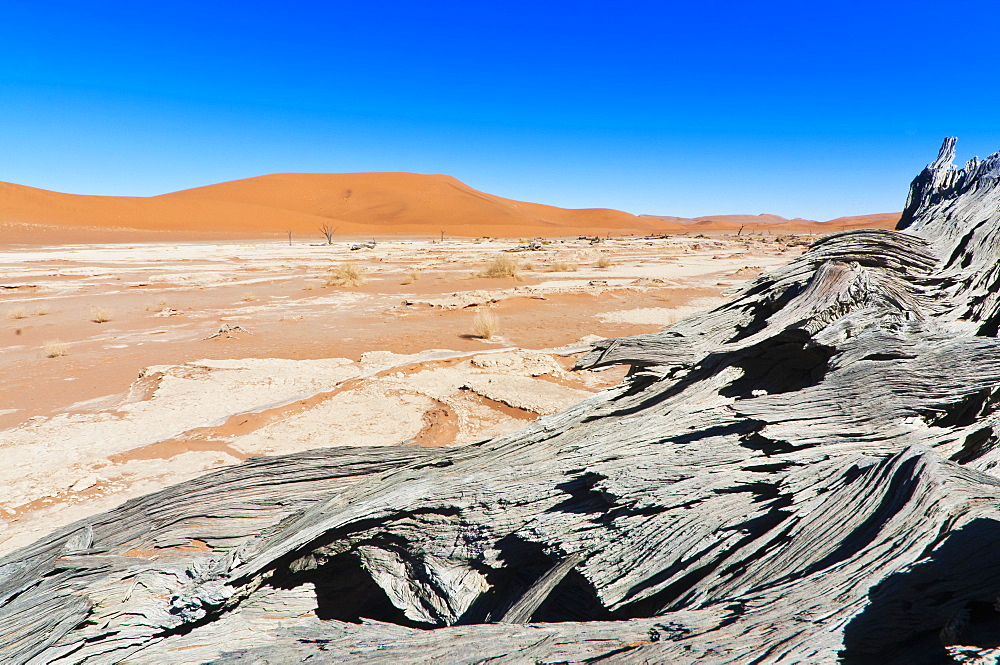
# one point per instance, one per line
(794, 108)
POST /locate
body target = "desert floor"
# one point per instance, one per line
(130, 367)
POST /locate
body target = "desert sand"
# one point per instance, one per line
(148, 340)
(118, 380)
(355, 205)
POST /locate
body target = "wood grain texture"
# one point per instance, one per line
(808, 473)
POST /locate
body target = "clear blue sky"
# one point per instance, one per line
(683, 108)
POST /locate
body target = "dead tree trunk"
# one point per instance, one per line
(805, 474)
(327, 230)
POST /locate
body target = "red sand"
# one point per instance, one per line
(356, 204)
(774, 224)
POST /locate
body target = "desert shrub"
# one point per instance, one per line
(486, 324)
(54, 349)
(501, 266)
(16, 313)
(98, 315)
(604, 262)
(346, 274)
(159, 306)
(249, 297)
(560, 266)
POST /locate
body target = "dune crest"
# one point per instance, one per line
(360, 204)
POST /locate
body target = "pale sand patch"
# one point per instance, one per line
(377, 361)
(523, 362)
(463, 299)
(478, 420)
(520, 392)
(653, 316)
(376, 414)
(437, 383)
(660, 316)
(47, 454)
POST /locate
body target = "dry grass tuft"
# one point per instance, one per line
(16, 313)
(411, 277)
(308, 286)
(41, 310)
(98, 315)
(249, 297)
(605, 262)
(486, 324)
(54, 349)
(158, 306)
(502, 266)
(560, 266)
(346, 274)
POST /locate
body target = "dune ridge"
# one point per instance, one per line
(777, 224)
(356, 204)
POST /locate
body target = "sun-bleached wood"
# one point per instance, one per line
(808, 473)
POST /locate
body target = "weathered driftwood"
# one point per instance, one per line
(526, 247)
(808, 473)
(228, 331)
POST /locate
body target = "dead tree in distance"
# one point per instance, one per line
(328, 230)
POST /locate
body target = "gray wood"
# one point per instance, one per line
(525, 608)
(806, 474)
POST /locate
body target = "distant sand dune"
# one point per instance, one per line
(776, 224)
(358, 204)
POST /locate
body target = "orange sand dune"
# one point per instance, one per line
(356, 204)
(27, 205)
(409, 200)
(776, 224)
(884, 220)
(752, 219)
